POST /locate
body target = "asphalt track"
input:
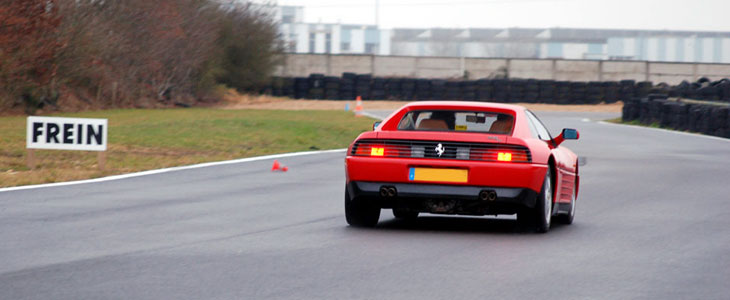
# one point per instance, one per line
(653, 222)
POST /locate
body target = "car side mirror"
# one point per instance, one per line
(376, 124)
(570, 134)
(567, 134)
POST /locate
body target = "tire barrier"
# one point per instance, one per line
(351, 85)
(704, 117)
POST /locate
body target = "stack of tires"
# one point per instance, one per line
(546, 91)
(438, 89)
(484, 90)
(706, 118)
(517, 89)
(282, 87)
(704, 89)
(611, 91)
(362, 86)
(643, 88)
(332, 88)
(501, 90)
(468, 90)
(594, 92)
(453, 90)
(679, 115)
(562, 92)
(393, 87)
(408, 89)
(423, 89)
(301, 87)
(627, 89)
(631, 110)
(347, 86)
(351, 85)
(377, 89)
(316, 87)
(532, 91)
(578, 92)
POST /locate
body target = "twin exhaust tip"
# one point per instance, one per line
(487, 195)
(388, 191)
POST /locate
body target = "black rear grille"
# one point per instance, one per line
(450, 150)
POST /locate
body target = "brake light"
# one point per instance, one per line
(504, 156)
(500, 155)
(375, 151)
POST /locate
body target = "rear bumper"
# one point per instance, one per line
(480, 174)
(446, 199)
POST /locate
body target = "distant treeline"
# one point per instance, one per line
(132, 53)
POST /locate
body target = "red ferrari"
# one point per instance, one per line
(465, 158)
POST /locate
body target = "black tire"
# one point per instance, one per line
(360, 212)
(544, 207)
(567, 219)
(404, 214)
(539, 218)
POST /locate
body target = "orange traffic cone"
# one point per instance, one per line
(278, 167)
(358, 107)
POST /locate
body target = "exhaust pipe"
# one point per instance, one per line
(388, 192)
(392, 192)
(487, 195)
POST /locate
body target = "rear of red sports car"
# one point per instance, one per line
(445, 158)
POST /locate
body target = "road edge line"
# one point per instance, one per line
(168, 170)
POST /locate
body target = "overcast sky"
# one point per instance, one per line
(700, 15)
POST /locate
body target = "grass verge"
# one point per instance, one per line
(634, 122)
(152, 139)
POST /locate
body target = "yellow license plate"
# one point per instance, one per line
(440, 175)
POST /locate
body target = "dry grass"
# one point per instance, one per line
(233, 100)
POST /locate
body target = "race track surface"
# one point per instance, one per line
(653, 222)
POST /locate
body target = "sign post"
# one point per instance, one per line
(67, 134)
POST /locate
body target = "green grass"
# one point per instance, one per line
(150, 139)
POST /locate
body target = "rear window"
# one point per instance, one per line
(465, 121)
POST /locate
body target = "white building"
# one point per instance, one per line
(561, 43)
(565, 43)
(323, 38)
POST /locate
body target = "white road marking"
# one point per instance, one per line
(586, 120)
(367, 114)
(167, 170)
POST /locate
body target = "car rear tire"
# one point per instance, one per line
(567, 219)
(539, 218)
(544, 207)
(360, 213)
(404, 214)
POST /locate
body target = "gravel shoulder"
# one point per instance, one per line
(235, 101)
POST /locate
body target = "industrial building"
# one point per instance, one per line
(557, 43)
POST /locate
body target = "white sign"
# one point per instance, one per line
(67, 133)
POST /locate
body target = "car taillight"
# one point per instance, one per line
(382, 150)
(502, 155)
(377, 151)
(371, 150)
